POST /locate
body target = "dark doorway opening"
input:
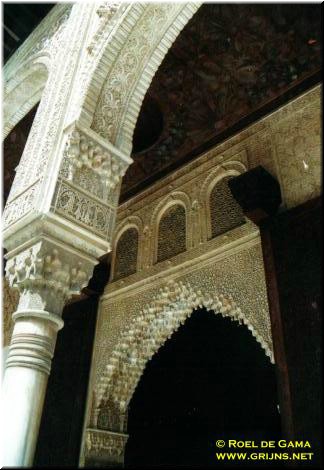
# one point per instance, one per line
(210, 381)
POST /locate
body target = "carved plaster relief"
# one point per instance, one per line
(109, 446)
(10, 302)
(46, 275)
(297, 148)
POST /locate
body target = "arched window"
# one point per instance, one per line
(126, 254)
(172, 233)
(225, 213)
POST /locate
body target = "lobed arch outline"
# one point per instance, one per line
(231, 168)
(175, 198)
(149, 330)
(130, 222)
(24, 90)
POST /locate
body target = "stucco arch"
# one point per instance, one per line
(23, 91)
(149, 330)
(231, 168)
(131, 50)
(175, 198)
(130, 222)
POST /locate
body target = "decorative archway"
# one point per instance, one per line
(156, 322)
(209, 381)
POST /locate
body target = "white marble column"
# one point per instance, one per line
(45, 275)
(27, 369)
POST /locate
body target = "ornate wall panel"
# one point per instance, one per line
(296, 132)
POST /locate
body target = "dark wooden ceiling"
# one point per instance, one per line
(231, 65)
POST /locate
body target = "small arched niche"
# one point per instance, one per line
(225, 212)
(171, 238)
(126, 254)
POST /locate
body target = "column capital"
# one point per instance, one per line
(105, 447)
(47, 275)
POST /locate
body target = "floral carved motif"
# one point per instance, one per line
(20, 206)
(52, 40)
(84, 210)
(128, 67)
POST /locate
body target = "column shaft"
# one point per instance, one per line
(24, 386)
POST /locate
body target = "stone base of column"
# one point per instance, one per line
(104, 448)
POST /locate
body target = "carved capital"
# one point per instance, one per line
(91, 163)
(105, 446)
(88, 186)
(46, 275)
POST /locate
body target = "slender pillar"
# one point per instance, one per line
(45, 275)
(27, 369)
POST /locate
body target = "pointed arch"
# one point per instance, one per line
(154, 324)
